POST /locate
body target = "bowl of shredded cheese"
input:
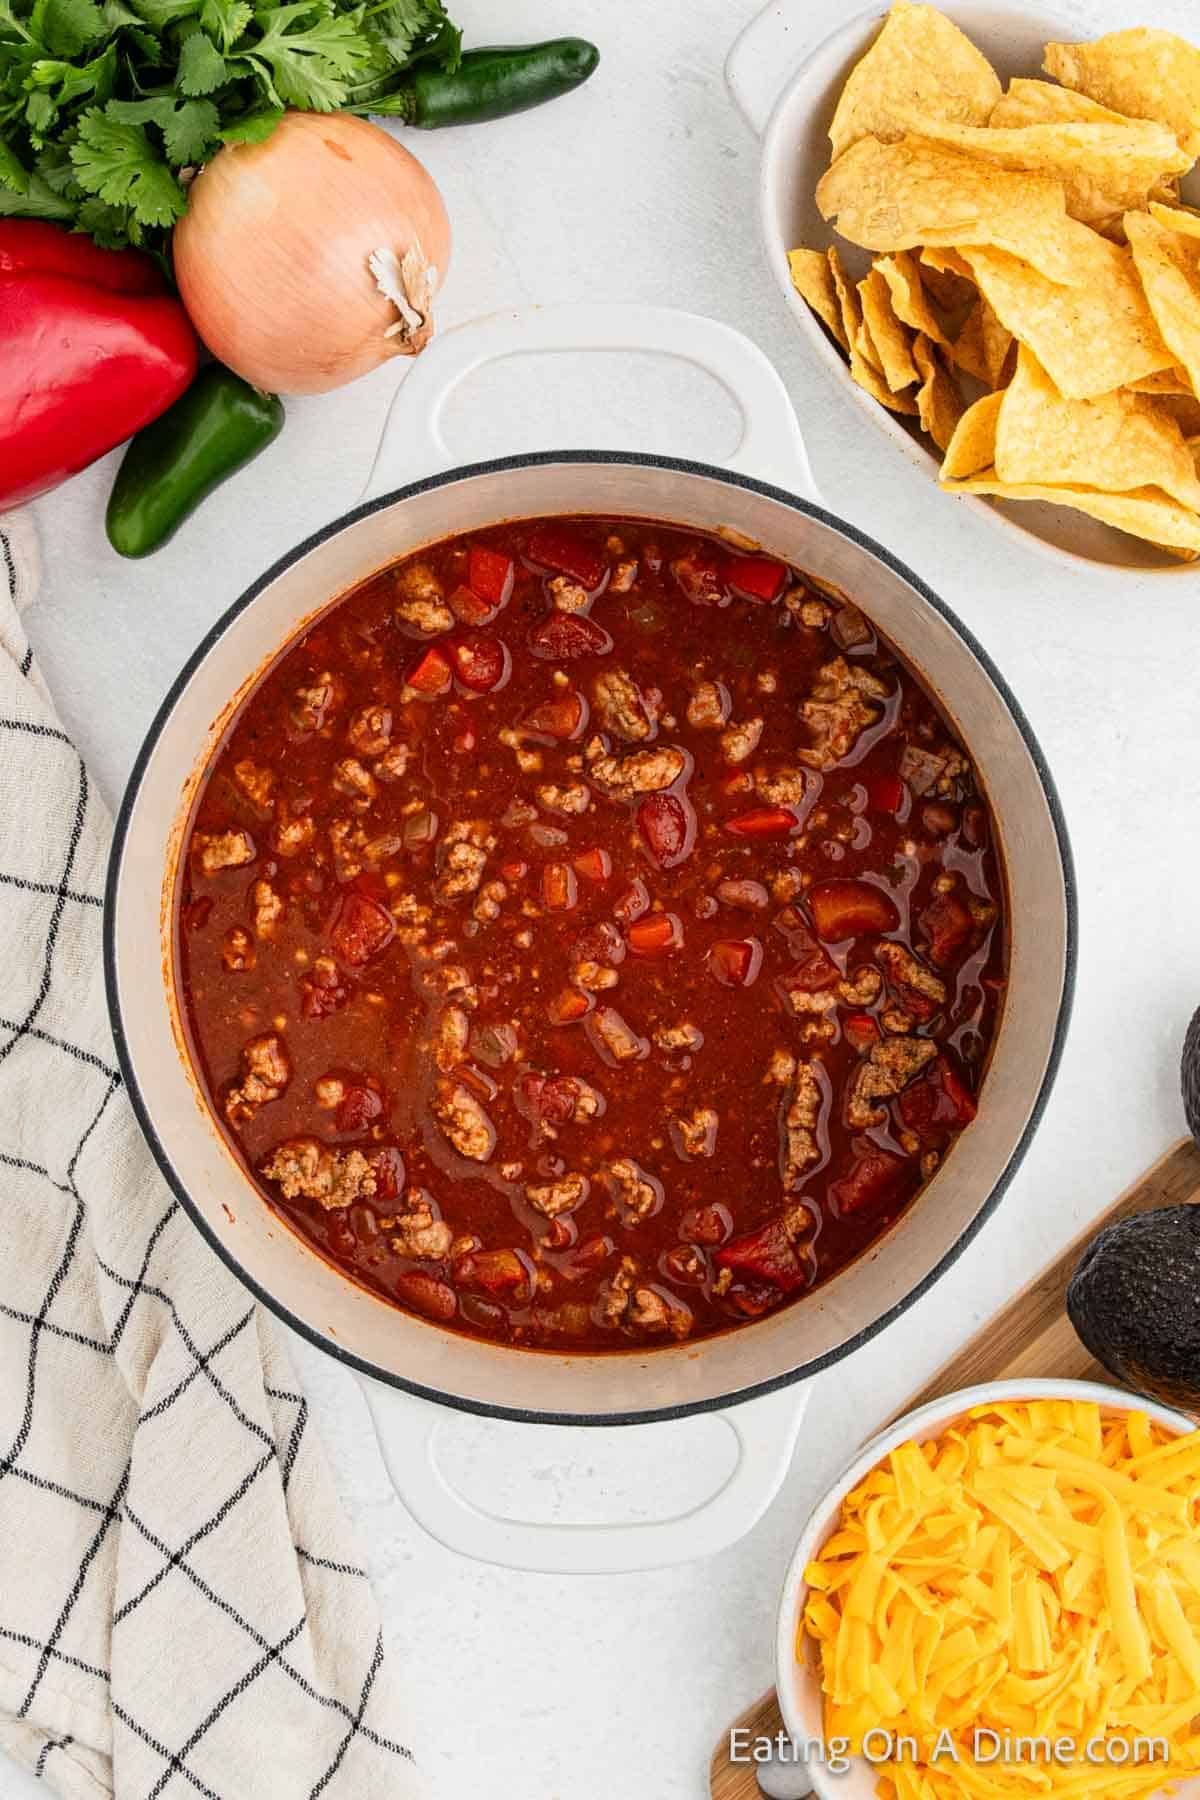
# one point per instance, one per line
(1000, 1599)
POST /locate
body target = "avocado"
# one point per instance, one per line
(1134, 1299)
(1189, 1073)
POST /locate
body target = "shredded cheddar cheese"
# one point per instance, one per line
(1032, 1575)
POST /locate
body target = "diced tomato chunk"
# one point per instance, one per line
(490, 574)
(814, 968)
(885, 793)
(426, 1295)
(360, 930)
(468, 608)
(593, 865)
(767, 1254)
(632, 903)
(735, 962)
(492, 1270)
(845, 909)
(947, 924)
(655, 933)
(560, 890)
(568, 1007)
(481, 662)
(756, 577)
(558, 547)
(763, 821)
(359, 1107)
(860, 1031)
(559, 719)
(875, 1177)
(700, 576)
(563, 636)
(432, 675)
(938, 1105)
(667, 825)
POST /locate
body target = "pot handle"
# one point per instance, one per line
(765, 1431)
(767, 53)
(770, 447)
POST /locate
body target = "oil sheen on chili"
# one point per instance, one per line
(590, 935)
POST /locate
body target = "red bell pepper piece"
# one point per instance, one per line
(94, 349)
(756, 577)
(432, 675)
(735, 962)
(490, 575)
(559, 547)
(764, 821)
(655, 933)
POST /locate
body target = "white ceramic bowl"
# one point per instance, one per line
(786, 72)
(797, 1684)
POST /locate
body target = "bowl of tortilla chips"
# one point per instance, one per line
(989, 232)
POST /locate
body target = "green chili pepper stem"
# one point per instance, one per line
(215, 429)
(488, 84)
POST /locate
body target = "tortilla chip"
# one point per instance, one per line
(973, 446)
(1105, 168)
(1148, 514)
(910, 302)
(1169, 266)
(1144, 73)
(873, 383)
(1185, 410)
(982, 345)
(896, 196)
(1162, 382)
(1118, 443)
(1045, 103)
(920, 59)
(1090, 338)
(889, 337)
(939, 402)
(1177, 218)
(864, 343)
(847, 299)
(812, 279)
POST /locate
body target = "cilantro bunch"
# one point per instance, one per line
(107, 106)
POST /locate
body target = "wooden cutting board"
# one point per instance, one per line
(1029, 1337)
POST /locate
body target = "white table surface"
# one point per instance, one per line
(644, 186)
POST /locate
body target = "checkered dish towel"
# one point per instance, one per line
(180, 1606)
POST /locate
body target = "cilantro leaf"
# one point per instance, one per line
(36, 201)
(202, 68)
(13, 172)
(188, 126)
(253, 127)
(66, 27)
(225, 20)
(305, 65)
(117, 162)
(158, 14)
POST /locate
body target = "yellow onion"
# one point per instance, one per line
(306, 260)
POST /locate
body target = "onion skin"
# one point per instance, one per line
(271, 256)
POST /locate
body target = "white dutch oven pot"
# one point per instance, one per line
(409, 1362)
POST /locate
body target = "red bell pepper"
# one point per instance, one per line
(94, 347)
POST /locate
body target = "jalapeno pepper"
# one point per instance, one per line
(488, 84)
(220, 425)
